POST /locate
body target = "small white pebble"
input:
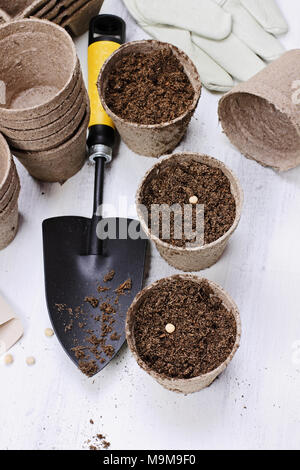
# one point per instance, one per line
(8, 360)
(30, 361)
(193, 200)
(170, 328)
(49, 332)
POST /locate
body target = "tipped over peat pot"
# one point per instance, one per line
(177, 178)
(261, 116)
(9, 194)
(148, 80)
(46, 103)
(204, 337)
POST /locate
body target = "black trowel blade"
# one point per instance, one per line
(71, 276)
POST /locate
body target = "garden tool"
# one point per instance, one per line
(79, 252)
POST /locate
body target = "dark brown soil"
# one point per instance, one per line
(205, 331)
(99, 441)
(176, 184)
(95, 346)
(109, 276)
(92, 301)
(125, 286)
(88, 368)
(149, 88)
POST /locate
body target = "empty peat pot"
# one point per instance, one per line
(198, 183)
(153, 139)
(56, 137)
(33, 82)
(9, 194)
(261, 116)
(183, 331)
(51, 119)
(45, 106)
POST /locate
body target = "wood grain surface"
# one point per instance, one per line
(254, 404)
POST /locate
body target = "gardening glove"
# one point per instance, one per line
(224, 38)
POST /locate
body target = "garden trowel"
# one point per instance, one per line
(94, 267)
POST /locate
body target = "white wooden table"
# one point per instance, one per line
(254, 404)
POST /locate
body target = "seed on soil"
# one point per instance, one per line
(206, 336)
(49, 332)
(170, 185)
(30, 361)
(8, 360)
(170, 328)
(193, 200)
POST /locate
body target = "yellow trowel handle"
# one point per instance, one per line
(107, 33)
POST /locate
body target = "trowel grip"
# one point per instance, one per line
(107, 33)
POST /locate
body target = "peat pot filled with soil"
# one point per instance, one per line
(183, 331)
(150, 89)
(189, 204)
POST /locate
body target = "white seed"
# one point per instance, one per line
(30, 361)
(193, 200)
(8, 360)
(49, 332)
(170, 328)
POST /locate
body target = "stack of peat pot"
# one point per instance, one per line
(9, 194)
(73, 15)
(44, 109)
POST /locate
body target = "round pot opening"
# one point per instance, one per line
(147, 47)
(259, 129)
(171, 162)
(183, 355)
(30, 78)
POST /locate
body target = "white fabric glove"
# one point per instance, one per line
(224, 38)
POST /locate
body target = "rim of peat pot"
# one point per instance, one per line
(193, 384)
(44, 132)
(133, 44)
(7, 164)
(7, 196)
(206, 159)
(54, 140)
(51, 117)
(60, 163)
(32, 26)
(12, 203)
(52, 153)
